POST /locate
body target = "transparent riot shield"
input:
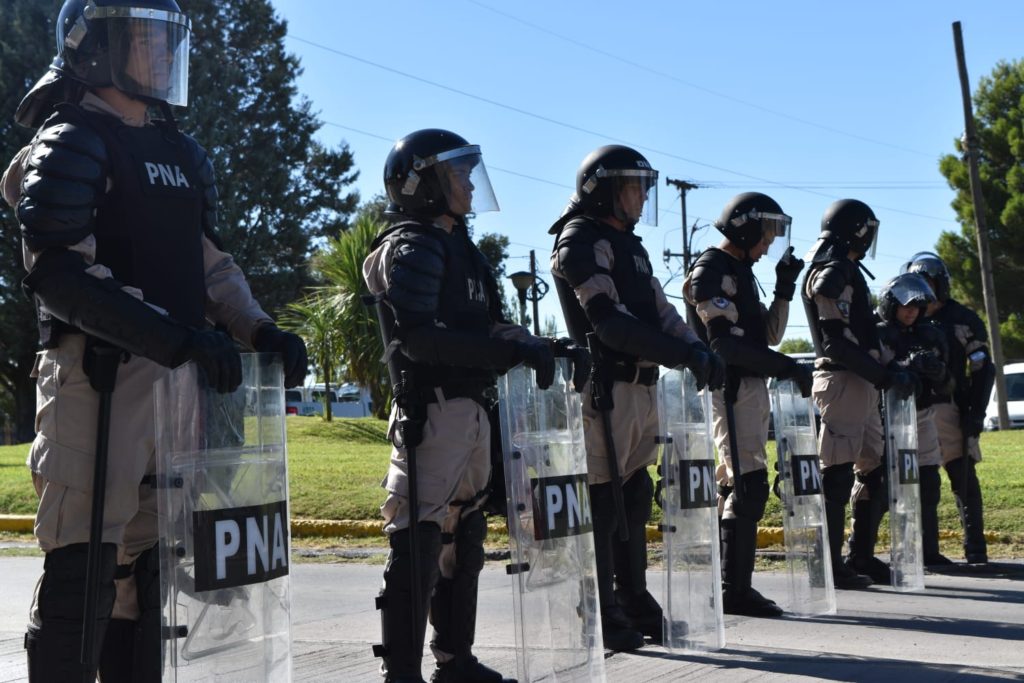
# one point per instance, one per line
(550, 529)
(693, 569)
(906, 556)
(222, 481)
(808, 561)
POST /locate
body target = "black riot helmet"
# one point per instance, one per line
(434, 172)
(906, 289)
(606, 179)
(138, 46)
(851, 224)
(751, 217)
(930, 265)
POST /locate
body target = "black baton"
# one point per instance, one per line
(601, 397)
(729, 395)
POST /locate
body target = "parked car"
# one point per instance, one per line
(803, 359)
(1014, 373)
(347, 400)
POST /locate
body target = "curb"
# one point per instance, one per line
(353, 528)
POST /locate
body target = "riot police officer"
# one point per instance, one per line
(960, 419)
(605, 284)
(731, 318)
(848, 372)
(911, 342)
(117, 213)
(448, 339)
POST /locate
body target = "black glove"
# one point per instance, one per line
(902, 382)
(975, 425)
(579, 356)
(217, 357)
(537, 355)
(803, 376)
(700, 364)
(928, 365)
(787, 270)
(272, 339)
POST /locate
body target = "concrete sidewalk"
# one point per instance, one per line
(960, 628)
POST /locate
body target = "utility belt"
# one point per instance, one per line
(632, 373)
(831, 367)
(473, 390)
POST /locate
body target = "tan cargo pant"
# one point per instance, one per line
(634, 426)
(62, 457)
(751, 411)
(947, 423)
(851, 428)
(453, 464)
(928, 449)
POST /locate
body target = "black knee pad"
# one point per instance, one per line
(147, 579)
(931, 485)
(469, 542)
(837, 482)
(872, 481)
(637, 496)
(62, 591)
(956, 473)
(755, 496)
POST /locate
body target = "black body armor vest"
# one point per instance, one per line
(862, 318)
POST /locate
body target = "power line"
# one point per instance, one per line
(580, 129)
(676, 79)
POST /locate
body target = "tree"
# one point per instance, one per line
(999, 118)
(279, 188)
(796, 346)
(340, 264)
(315, 318)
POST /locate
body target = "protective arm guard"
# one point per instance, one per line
(99, 307)
(64, 182)
(982, 381)
(204, 168)
(434, 345)
(624, 333)
(734, 351)
(836, 346)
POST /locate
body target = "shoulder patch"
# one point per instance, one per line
(720, 302)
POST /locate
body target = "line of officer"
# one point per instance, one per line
(848, 371)
(961, 418)
(910, 341)
(450, 339)
(605, 284)
(117, 254)
(731, 318)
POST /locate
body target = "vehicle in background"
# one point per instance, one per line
(347, 400)
(1014, 373)
(803, 359)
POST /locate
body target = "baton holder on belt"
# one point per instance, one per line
(601, 383)
(101, 365)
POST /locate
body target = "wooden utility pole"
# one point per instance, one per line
(988, 288)
(535, 295)
(683, 188)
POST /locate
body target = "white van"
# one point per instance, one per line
(1014, 373)
(347, 400)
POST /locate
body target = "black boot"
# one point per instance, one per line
(402, 646)
(739, 546)
(618, 631)
(453, 609)
(630, 561)
(55, 643)
(931, 491)
(863, 537)
(837, 481)
(968, 502)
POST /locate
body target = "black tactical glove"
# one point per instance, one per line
(902, 382)
(787, 270)
(716, 380)
(537, 355)
(579, 356)
(802, 375)
(269, 338)
(928, 365)
(217, 357)
(700, 364)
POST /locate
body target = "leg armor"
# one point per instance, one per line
(837, 482)
(618, 631)
(931, 492)
(968, 502)
(870, 504)
(739, 545)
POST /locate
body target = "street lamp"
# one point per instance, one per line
(522, 281)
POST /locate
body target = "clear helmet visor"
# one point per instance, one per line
(872, 226)
(775, 233)
(911, 290)
(634, 195)
(463, 180)
(149, 56)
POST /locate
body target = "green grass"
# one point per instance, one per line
(335, 471)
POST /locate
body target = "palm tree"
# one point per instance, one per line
(340, 264)
(315, 318)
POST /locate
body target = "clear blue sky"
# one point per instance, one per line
(806, 101)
